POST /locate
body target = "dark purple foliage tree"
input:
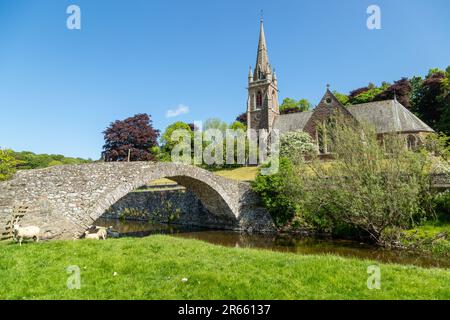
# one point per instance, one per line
(242, 118)
(135, 135)
(357, 92)
(401, 89)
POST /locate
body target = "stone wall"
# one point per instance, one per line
(169, 206)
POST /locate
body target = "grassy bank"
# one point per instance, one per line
(153, 268)
(432, 237)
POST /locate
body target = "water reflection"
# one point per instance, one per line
(283, 243)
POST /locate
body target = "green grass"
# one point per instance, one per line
(241, 174)
(433, 236)
(153, 267)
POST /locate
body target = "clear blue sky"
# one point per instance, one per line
(59, 88)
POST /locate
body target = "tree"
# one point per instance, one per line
(292, 106)
(370, 186)
(368, 94)
(134, 136)
(431, 101)
(401, 89)
(242, 118)
(7, 164)
(353, 94)
(215, 123)
(166, 138)
(342, 98)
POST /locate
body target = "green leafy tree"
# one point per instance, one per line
(164, 154)
(431, 100)
(369, 94)
(292, 106)
(215, 123)
(7, 164)
(342, 98)
(369, 186)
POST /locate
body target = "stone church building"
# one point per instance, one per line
(386, 116)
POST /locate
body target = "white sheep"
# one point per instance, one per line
(21, 233)
(102, 232)
(91, 236)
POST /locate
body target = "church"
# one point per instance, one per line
(386, 116)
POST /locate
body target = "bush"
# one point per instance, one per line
(296, 145)
(442, 205)
(438, 144)
(273, 192)
(370, 185)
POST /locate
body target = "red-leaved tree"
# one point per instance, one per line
(134, 136)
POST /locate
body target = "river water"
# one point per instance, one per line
(283, 243)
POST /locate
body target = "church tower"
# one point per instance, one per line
(262, 102)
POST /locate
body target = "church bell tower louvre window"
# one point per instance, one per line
(259, 100)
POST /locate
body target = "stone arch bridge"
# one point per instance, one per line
(65, 200)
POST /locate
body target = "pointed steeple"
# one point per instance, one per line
(262, 67)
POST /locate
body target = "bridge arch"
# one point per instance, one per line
(65, 200)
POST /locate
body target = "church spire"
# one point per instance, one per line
(262, 67)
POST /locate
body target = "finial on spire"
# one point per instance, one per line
(328, 86)
(262, 15)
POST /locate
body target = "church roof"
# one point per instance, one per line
(292, 121)
(386, 116)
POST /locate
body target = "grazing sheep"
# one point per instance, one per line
(102, 232)
(91, 236)
(21, 233)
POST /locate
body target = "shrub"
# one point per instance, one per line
(273, 192)
(442, 205)
(370, 185)
(296, 145)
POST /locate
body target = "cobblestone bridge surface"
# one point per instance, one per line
(65, 200)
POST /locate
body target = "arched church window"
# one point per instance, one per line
(259, 99)
(411, 142)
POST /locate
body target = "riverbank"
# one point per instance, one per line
(154, 268)
(432, 238)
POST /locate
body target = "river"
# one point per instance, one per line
(283, 243)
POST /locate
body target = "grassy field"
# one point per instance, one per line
(241, 174)
(153, 268)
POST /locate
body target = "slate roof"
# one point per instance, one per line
(386, 116)
(292, 121)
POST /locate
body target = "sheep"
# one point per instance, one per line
(101, 233)
(91, 236)
(21, 233)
